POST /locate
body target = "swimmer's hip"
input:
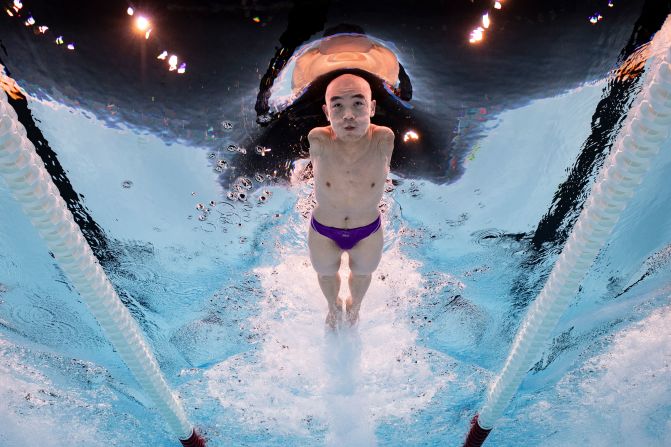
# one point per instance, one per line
(346, 238)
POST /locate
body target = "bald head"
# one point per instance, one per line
(347, 83)
(349, 107)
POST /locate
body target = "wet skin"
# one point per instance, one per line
(351, 159)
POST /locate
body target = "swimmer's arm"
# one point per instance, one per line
(317, 137)
(385, 141)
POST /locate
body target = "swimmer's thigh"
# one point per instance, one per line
(365, 256)
(324, 253)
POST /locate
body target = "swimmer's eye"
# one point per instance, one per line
(359, 103)
(336, 105)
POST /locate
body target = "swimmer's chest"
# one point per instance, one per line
(338, 171)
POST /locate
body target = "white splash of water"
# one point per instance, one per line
(303, 378)
(620, 397)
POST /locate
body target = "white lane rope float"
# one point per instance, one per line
(645, 129)
(27, 178)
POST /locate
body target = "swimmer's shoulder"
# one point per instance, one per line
(382, 133)
(384, 139)
(318, 138)
(320, 134)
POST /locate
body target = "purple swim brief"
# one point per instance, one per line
(346, 238)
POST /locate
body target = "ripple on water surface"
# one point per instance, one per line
(49, 321)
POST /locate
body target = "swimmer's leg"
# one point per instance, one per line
(364, 258)
(325, 256)
(330, 285)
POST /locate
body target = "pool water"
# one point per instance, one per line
(227, 298)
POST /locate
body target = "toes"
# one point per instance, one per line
(330, 320)
(352, 318)
(334, 317)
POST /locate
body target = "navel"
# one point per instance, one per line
(328, 184)
(346, 218)
(372, 184)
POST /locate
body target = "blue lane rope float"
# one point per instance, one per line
(646, 127)
(31, 184)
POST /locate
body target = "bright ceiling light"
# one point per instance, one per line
(142, 23)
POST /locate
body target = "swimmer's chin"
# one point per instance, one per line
(350, 135)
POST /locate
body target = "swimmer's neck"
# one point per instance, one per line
(353, 145)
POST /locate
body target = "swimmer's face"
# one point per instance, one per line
(349, 107)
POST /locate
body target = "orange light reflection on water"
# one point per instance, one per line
(634, 65)
(10, 86)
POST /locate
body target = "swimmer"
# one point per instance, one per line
(350, 160)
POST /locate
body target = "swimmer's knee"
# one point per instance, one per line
(359, 269)
(362, 272)
(324, 270)
(361, 277)
(364, 265)
(334, 277)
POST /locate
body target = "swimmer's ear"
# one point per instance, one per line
(326, 112)
(372, 108)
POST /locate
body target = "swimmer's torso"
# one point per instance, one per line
(349, 183)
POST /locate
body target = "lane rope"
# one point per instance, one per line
(645, 129)
(27, 178)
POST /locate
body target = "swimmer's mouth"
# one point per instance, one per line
(350, 127)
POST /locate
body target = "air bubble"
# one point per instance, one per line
(232, 195)
(213, 203)
(200, 206)
(127, 184)
(222, 163)
(227, 125)
(262, 150)
(245, 183)
(202, 217)
(259, 178)
(262, 198)
(211, 155)
(235, 148)
(242, 196)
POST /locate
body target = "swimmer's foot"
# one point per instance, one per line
(334, 316)
(351, 312)
(352, 317)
